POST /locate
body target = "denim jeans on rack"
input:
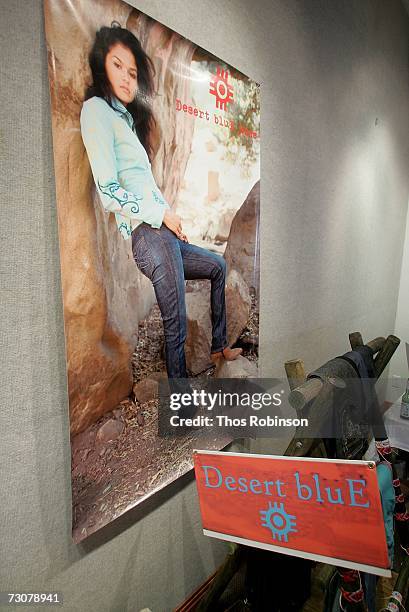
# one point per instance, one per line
(167, 262)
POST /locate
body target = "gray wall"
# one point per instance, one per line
(399, 367)
(335, 154)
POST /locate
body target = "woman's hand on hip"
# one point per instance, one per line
(174, 223)
(183, 237)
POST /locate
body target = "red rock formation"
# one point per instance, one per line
(242, 250)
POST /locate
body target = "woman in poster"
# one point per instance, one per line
(116, 127)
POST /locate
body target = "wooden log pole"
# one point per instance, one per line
(317, 415)
(355, 340)
(385, 354)
(306, 392)
(295, 371)
(377, 344)
(320, 408)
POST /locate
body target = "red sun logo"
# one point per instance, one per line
(220, 88)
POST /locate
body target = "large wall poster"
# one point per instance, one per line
(201, 157)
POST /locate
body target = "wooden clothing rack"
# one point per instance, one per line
(302, 393)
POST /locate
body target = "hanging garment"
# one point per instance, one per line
(345, 427)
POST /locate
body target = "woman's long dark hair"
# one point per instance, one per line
(140, 107)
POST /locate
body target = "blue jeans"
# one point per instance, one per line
(167, 262)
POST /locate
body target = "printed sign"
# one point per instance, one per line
(322, 509)
(157, 167)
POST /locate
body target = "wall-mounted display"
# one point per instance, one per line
(157, 168)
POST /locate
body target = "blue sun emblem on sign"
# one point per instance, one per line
(278, 521)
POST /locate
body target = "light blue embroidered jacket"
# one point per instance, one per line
(120, 166)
